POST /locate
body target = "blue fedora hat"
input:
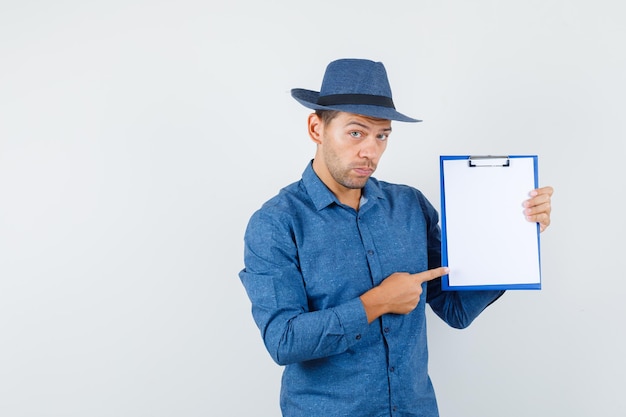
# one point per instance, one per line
(358, 86)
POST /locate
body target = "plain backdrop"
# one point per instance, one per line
(137, 138)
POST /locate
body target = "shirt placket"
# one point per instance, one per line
(386, 325)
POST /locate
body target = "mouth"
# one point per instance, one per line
(363, 171)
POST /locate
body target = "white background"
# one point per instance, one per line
(137, 137)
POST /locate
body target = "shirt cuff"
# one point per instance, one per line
(353, 319)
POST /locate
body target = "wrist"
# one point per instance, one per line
(373, 303)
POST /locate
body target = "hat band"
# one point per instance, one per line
(368, 99)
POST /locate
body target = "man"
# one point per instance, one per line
(339, 266)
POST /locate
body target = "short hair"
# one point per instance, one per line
(327, 115)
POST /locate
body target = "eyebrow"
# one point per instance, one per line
(364, 126)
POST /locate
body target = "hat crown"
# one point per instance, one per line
(355, 76)
(352, 85)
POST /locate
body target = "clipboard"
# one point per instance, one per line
(486, 240)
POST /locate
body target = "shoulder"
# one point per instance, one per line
(403, 197)
(286, 200)
(282, 207)
(400, 191)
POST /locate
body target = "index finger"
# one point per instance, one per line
(431, 274)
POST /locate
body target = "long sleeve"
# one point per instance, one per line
(275, 286)
(459, 308)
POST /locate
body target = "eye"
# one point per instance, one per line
(355, 134)
(382, 136)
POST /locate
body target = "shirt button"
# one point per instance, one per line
(386, 330)
(394, 408)
(392, 369)
(358, 337)
(370, 252)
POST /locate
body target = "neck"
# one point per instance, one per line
(352, 199)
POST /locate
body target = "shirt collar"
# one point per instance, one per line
(322, 197)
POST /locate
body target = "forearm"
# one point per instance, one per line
(291, 336)
(459, 308)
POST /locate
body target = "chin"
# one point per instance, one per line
(356, 185)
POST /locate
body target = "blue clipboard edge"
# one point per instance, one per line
(445, 284)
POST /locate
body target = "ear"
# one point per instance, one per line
(315, 127)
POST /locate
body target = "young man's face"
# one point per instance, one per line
(350, 147)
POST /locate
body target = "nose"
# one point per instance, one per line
(369, 148)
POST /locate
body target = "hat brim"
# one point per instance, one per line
(309, 98)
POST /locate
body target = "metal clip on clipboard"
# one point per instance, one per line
(488, 161)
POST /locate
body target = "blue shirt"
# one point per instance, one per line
(308, 258)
